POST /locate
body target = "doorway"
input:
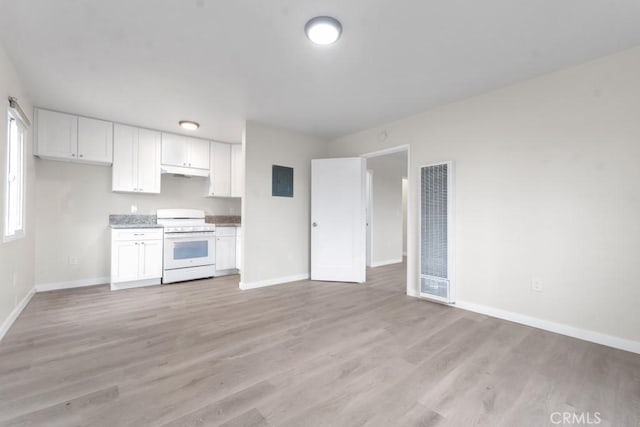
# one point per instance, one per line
(386, 207)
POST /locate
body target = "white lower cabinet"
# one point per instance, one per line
(136, 257)
(150, 259)
(225, 251)
(238, 247)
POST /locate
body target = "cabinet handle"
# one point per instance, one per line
(140, 189)
(73, 154)
(136, 243)
(142, 243)
(81, 155)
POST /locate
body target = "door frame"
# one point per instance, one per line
(369, 219)
(411, 279)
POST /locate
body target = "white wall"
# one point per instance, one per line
(547, 186)
(386, 226)
(16, 257)
(74, 202)
(276, 230)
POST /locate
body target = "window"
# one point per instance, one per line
(14, 189)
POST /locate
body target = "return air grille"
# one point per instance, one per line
(434, 231)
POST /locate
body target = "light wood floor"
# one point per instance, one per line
(301, 354)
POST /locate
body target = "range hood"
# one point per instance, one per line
(180, 170)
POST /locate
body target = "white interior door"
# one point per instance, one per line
(338, 219)
(369, 215)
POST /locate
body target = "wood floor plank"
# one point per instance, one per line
(300, 354)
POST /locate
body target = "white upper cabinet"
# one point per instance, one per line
(136, 160)
(185, 152)
(95, 140)
(149, 152)
(61, 136)
(198, 153)
(237, 170)
(125, 158)
(56, 135)
(174, 150)
(226, 174)
(220, 174)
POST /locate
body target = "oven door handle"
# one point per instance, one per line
(189, 237)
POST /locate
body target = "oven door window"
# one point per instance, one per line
(191, 250)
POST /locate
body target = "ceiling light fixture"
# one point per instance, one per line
(188, 124)
(323, 30)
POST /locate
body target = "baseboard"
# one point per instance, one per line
(4, 328)
(271, 282)
(559, 328)
(43, 287)
(386, 262)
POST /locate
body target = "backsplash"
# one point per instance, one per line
(223, 219)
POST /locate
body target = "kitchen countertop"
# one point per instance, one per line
(149, 221)
(135, 226)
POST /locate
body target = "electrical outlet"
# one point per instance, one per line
(134, 208)
(73, 260)
(536, 285)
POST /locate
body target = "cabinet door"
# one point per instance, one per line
(95, 141)
(124, 261)
(237, 170)
(125, 158)
(198, 153)
(220, 174)
(150, 259)
(225, 252)
(149, 153)
(174, 150)
(238, 248)
(56, 135)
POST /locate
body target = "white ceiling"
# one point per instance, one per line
(154, 62)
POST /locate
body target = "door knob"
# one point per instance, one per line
(315, 224)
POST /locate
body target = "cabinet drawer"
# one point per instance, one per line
(225, 231)
(138, 234)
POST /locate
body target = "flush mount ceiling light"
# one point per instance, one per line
(323, 30)
(188, 124)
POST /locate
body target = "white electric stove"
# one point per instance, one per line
(189, 245)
